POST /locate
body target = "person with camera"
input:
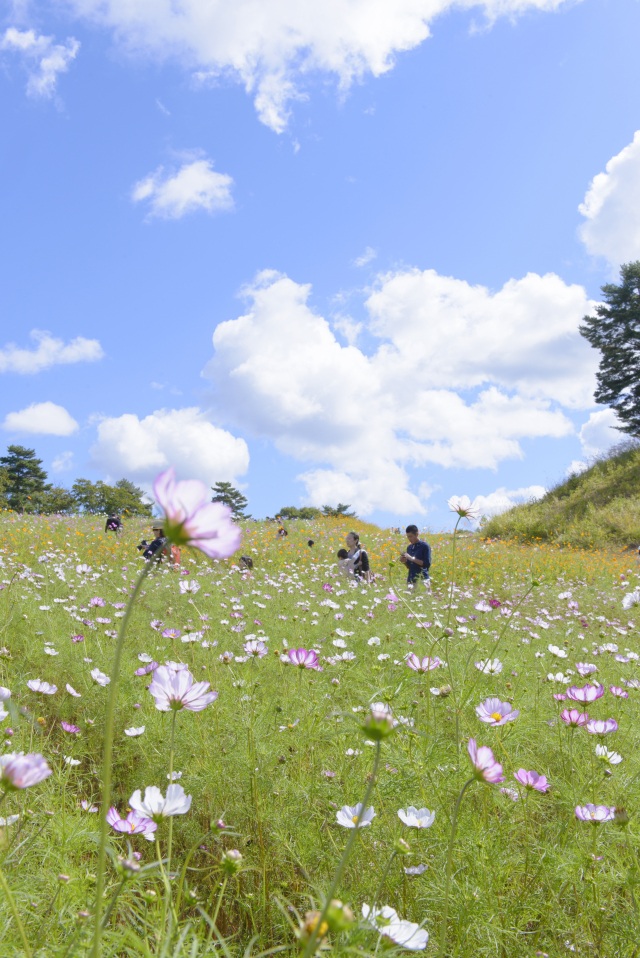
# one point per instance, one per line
(417, 558)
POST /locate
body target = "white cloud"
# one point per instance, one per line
(457, 376)
(45, 418)
(502, 499)
(367, 257)
(272, 47)
(184, 438)
(44, 58)
(63, 462)
(611, 208)
(195, 186)
(48, 352)
(575, 467)
(598, 434)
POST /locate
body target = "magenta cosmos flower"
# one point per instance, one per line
(494, 712)
(304, 659)
(619, 692)
(532, 780)
(133, 824)
(191, 519)
(18, 770)
(425, 664)
(602, 726)
(484, 763)
(574, 717)
(594, 813)
(588, 693)
(176, 690)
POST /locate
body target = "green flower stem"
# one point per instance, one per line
(445, 913)
(171, 756)
(219, 901)
(380, 887)
(16, 915)
(309, 950)
(107, 760)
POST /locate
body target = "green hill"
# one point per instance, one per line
(600, 506)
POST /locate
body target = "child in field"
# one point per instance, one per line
(345, 564)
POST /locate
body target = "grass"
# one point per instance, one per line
(599, 507)
(281, 750)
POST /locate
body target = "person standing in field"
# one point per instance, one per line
(417, 557)
(359, 557)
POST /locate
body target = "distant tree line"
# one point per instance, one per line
(24, 488)
(310, 512)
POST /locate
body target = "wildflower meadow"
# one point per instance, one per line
(211, 759)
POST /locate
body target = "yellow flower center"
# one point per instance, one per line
(496, 715)
(355, 819)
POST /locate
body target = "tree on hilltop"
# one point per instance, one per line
(615, 331)
(303, 512)
(226, 493)
(341, 510)
(24, 478)
(124, 498)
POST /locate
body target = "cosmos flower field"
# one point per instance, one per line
(475, 746)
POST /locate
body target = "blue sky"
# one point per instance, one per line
(312, 250)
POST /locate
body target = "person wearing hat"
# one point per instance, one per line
(158, 547)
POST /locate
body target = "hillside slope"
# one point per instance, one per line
(601, 506)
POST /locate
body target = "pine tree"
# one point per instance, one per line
(24, 478)
(615, 331)
(341, 509)
(228, 494)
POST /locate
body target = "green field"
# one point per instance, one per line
(282, 750)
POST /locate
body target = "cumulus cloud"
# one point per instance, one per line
(45, 418)
(457, 376)
(44, 58)
(503, 499)
(273, 46)
(184, 438)
(611, 208)
(48, 352)
(598, 434)
(195, 186)
(63, 462)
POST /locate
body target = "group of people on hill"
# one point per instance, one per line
(352, 561)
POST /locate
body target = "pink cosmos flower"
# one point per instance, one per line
(18, 770)
(145, 669)
(574, 717)
(425, 664)
(71, 729)
(176, 690)
(586, 668)
(255, 648)
(594, 813)
(619, 692)
(588, 693)
(532, 780)
(304, 659)
(602, 726)
(133, 824)
(484, 763)
(192, 519)
(494, 712)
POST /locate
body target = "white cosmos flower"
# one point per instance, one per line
(37, 685)
(100, 677)
(192, 586)
(70, 689)
(489, 666)
(558, 652)
(4, 694)
(631, 598)
(612, 758)
(416, 817)
(353, 816)
(154, 806)
(133, 732)
(386, 922)
(71, 761)
(415, 869)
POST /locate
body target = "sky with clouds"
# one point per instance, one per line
(328, 252)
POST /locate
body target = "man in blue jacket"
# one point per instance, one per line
(417, 558)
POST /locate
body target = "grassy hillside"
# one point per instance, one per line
(601, 506)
